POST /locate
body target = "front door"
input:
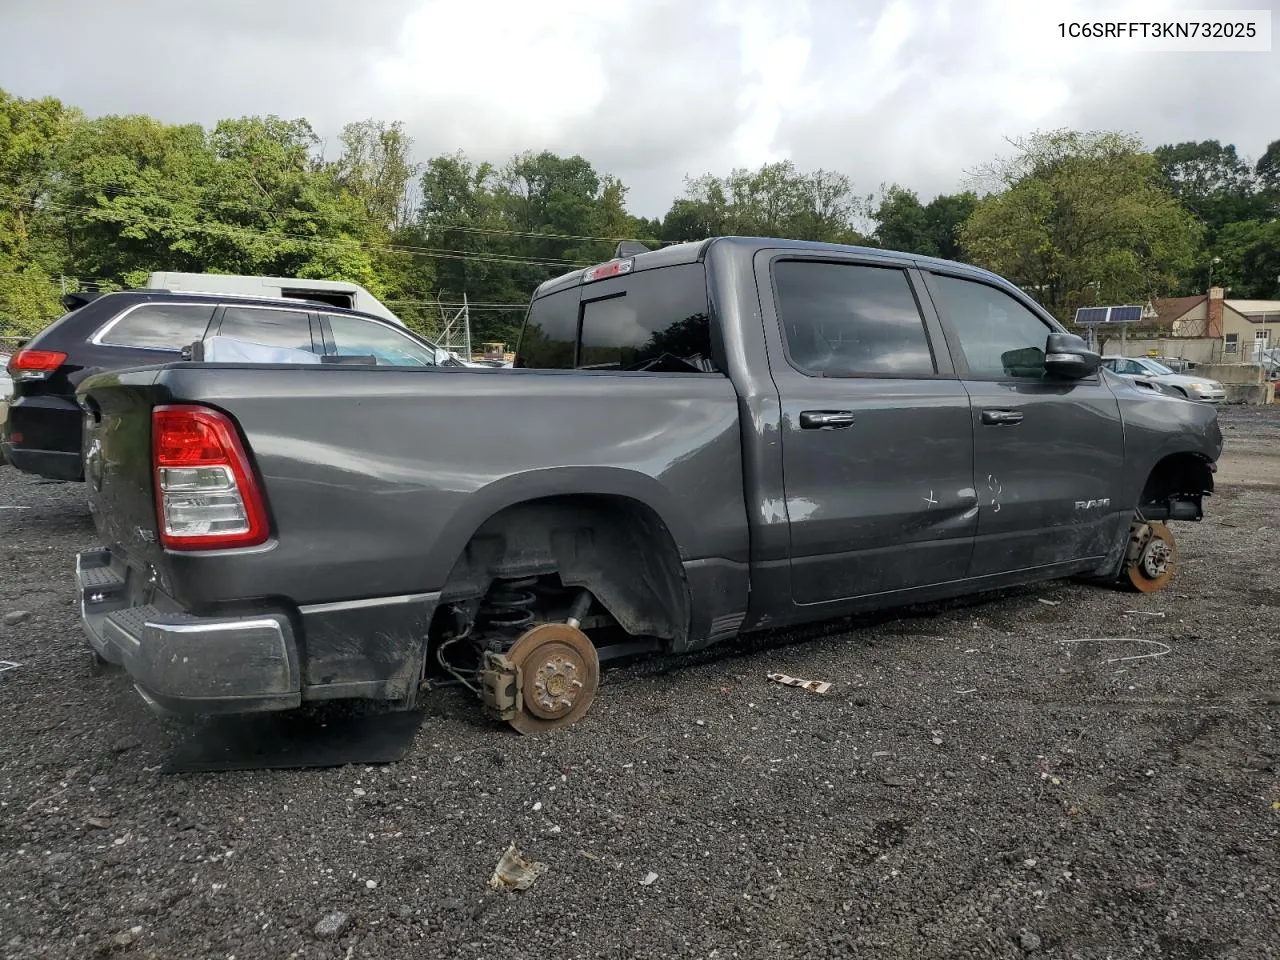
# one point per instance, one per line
(1048, 454)
(877, 446)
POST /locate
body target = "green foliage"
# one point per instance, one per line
(1082, 218)
(499, 232)
(104, 202)
(1212, 181)
(775, 201)
(1268, 170)
(932, 229)
(31, 134)
(1250, 255)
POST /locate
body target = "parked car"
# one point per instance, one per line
(1189, 386)
(6, 391)
(145, 327)
(696, 442)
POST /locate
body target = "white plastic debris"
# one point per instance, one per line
(649, 880)
(813, 686)
(514, 872)
(1164, 647)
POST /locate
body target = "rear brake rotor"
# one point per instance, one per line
(559, 674)
(1153, 558)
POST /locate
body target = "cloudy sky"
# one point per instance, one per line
(912, 91)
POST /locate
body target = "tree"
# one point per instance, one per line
(776, 200)
(376, 168)
(32, 253)
(1211, 181)
(1079, 217)
(932, 229)
(1267, 171)
(1250, 255)
(499, 232)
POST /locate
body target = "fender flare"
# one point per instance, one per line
(491, 499)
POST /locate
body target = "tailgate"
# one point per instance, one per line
(117, 462)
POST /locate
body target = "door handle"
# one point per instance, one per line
(826, 419)
(1001, 417)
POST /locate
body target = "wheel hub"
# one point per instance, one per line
(1155, 558)
(555, 685)
(558, 671)
(1151, 558)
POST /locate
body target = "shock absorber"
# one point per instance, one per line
(507, 609)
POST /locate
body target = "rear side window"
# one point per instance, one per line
(848, 320)
(658, 322)
(159, 326)
(275, 328)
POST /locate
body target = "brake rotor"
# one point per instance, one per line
(1152, 562)
(559, 675)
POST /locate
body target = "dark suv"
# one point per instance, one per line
(135, 328)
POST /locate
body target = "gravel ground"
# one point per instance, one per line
(969, 787)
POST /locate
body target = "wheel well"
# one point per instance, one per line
(1179, 476)
(616, 547)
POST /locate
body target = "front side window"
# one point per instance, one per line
(356, 337)
(274, 328)
(659, 321)
(160, 326)
(848, 320)
(999, 336)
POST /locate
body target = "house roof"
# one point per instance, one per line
(1254, 306)
(1170, 309)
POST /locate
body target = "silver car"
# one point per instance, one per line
(1154, 372)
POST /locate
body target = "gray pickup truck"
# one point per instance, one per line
(695, 442)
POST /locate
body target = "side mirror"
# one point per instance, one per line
(1069, 357)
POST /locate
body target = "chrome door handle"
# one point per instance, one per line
(826, 419)
(1002, 417)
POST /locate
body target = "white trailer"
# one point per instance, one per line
(337, 293)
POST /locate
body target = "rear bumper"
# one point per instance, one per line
(50, 428)
(182, 663)
(54, 464)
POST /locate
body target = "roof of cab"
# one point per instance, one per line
(692, 251)
(185, 296)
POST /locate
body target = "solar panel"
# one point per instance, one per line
(1125, 315)
(1086, 315)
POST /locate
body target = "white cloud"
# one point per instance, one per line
(913, 91)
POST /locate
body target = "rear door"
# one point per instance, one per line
(877, 444)
(1048, 453)
(140, 335)
(272, 326)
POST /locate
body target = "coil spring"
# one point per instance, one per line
(508, 607)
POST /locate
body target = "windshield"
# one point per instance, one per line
(1151, 366)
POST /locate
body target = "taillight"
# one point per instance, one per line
(35, 364)
(206, 494)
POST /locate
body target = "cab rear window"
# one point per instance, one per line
(655, 321)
